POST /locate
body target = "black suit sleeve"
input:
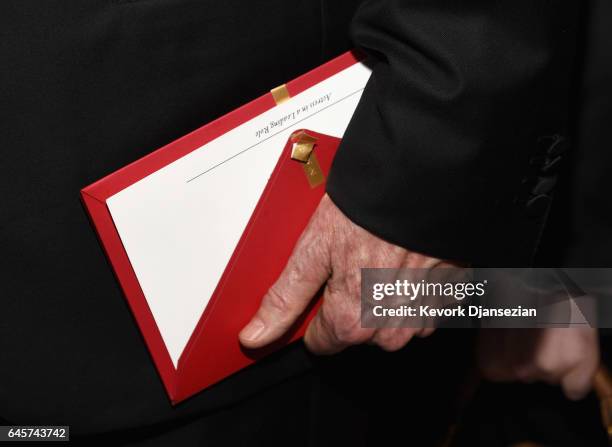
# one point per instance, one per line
(453, 148)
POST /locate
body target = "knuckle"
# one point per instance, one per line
(547, 364)
(353, 287)
(392, 344)
(297, 271)
(393, 339)
(348, 336)
(348, 318)
(347, 327)
(277, 301)
(348, 331)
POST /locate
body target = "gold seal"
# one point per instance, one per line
(302, 151)
(303, 145)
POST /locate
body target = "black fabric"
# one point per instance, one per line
(579, 232)
(361, 397)
(85, 88)
(454, 130)
(502, 415)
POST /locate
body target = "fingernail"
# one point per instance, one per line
(253, 331)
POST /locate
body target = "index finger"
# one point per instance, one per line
(305, 273)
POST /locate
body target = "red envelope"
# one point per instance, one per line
(213, 351)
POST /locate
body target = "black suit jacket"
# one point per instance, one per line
(579, 232)
(85, 88)
(455, 145)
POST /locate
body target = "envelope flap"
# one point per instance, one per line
(282, 213)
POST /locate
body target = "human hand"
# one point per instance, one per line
(330, 253)
(565, 356)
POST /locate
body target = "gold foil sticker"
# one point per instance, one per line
(280, 94)
(302, 137)
(313, 171)
(303, 145)
(301, 151)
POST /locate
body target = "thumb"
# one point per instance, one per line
(578, 381)
(305, 273)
